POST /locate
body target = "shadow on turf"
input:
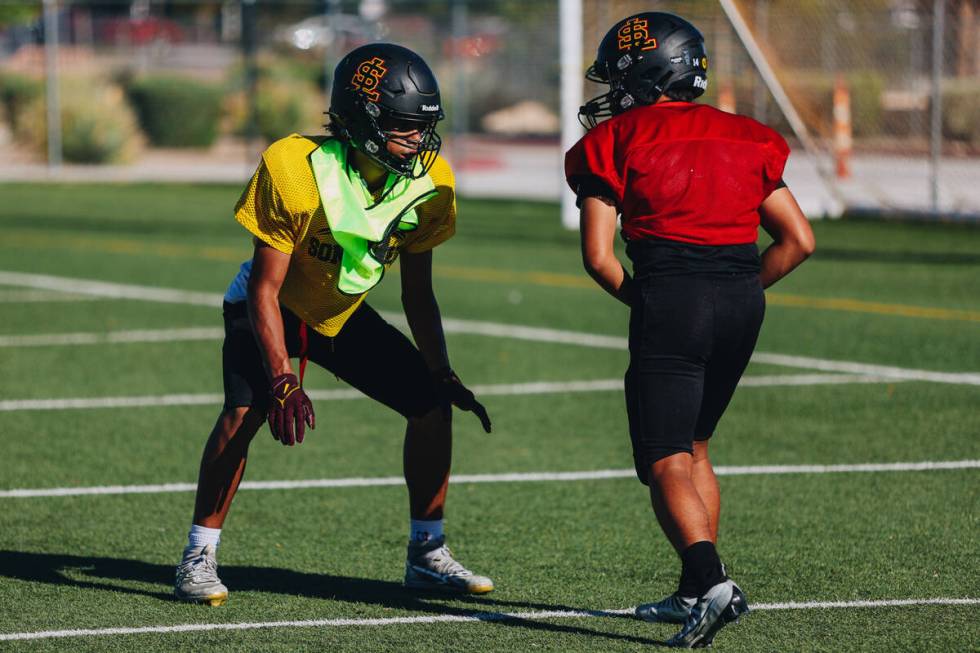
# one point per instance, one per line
(100, 572)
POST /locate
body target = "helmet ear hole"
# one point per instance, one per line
(650, 85)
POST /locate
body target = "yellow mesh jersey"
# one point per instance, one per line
(281, 207)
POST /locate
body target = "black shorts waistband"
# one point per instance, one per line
(660, 257)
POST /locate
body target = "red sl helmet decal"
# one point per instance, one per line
(368, 76)
(635, 33)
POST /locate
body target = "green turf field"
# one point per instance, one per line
(569, 557)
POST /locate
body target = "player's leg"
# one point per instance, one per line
(670, 389)
(223, 463)
(427, 458)
(671, 330)
(670, 340)
(222, 467)
(381, 362)
(224, 459)
(706, 484)
(676, 607)
(680, 511)
(677, 503)
(739, 306)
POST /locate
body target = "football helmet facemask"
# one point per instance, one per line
(641, 58)
(385, 93)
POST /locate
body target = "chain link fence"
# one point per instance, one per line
(215, 80)
(259, 69)
(906, 71)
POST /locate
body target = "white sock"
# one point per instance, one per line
(200, 536)
(421, 530)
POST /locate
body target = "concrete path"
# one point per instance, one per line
(533, 170)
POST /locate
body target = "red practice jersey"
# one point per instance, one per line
(682, 171)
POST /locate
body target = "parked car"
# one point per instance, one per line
(140, 31)
(324, 31)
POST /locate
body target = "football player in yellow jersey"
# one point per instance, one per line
(328, 215)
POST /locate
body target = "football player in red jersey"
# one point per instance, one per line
(692, 184)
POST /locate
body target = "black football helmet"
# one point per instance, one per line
(641, 58)
(383, 88)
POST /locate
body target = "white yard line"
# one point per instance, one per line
(112, 337)
(471, 327)
(512, 477)
(37, 296)
(474, 617)
(519, 332)
(500, 389)
(109, 289)
(849, 367)
(112, 402)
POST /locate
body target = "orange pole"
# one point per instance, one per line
(843, 132)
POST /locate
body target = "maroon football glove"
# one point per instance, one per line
(290, 410)
(452, 392)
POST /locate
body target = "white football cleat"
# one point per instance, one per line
(197, 577)
(430, 565)
(672, 610)
(720, 605)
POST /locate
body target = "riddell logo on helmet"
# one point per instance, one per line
(635, 33)
(429, 107)
(368, 76)
(700, 82)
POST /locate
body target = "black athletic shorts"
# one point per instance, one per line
(368, 353)
(691, 338)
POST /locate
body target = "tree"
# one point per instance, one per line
(19, 14)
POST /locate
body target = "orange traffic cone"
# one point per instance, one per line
(843, 136)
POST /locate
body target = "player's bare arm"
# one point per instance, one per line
(421, 308)
(422, 312)
(793, 240)
(290, 410)
(598, 228)
(269, 267)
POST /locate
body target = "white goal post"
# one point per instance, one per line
(572, 88)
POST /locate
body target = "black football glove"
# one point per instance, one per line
(452, 392)
(289, 410)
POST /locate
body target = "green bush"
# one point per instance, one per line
(282, 106)
(815, 93)
(288, 106)
(288, 99)
(961, 111)
(17, 94)
(175, 111)
(97, 125)
(293, 68)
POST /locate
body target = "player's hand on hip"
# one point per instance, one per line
(290, 410)
(452, 392)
